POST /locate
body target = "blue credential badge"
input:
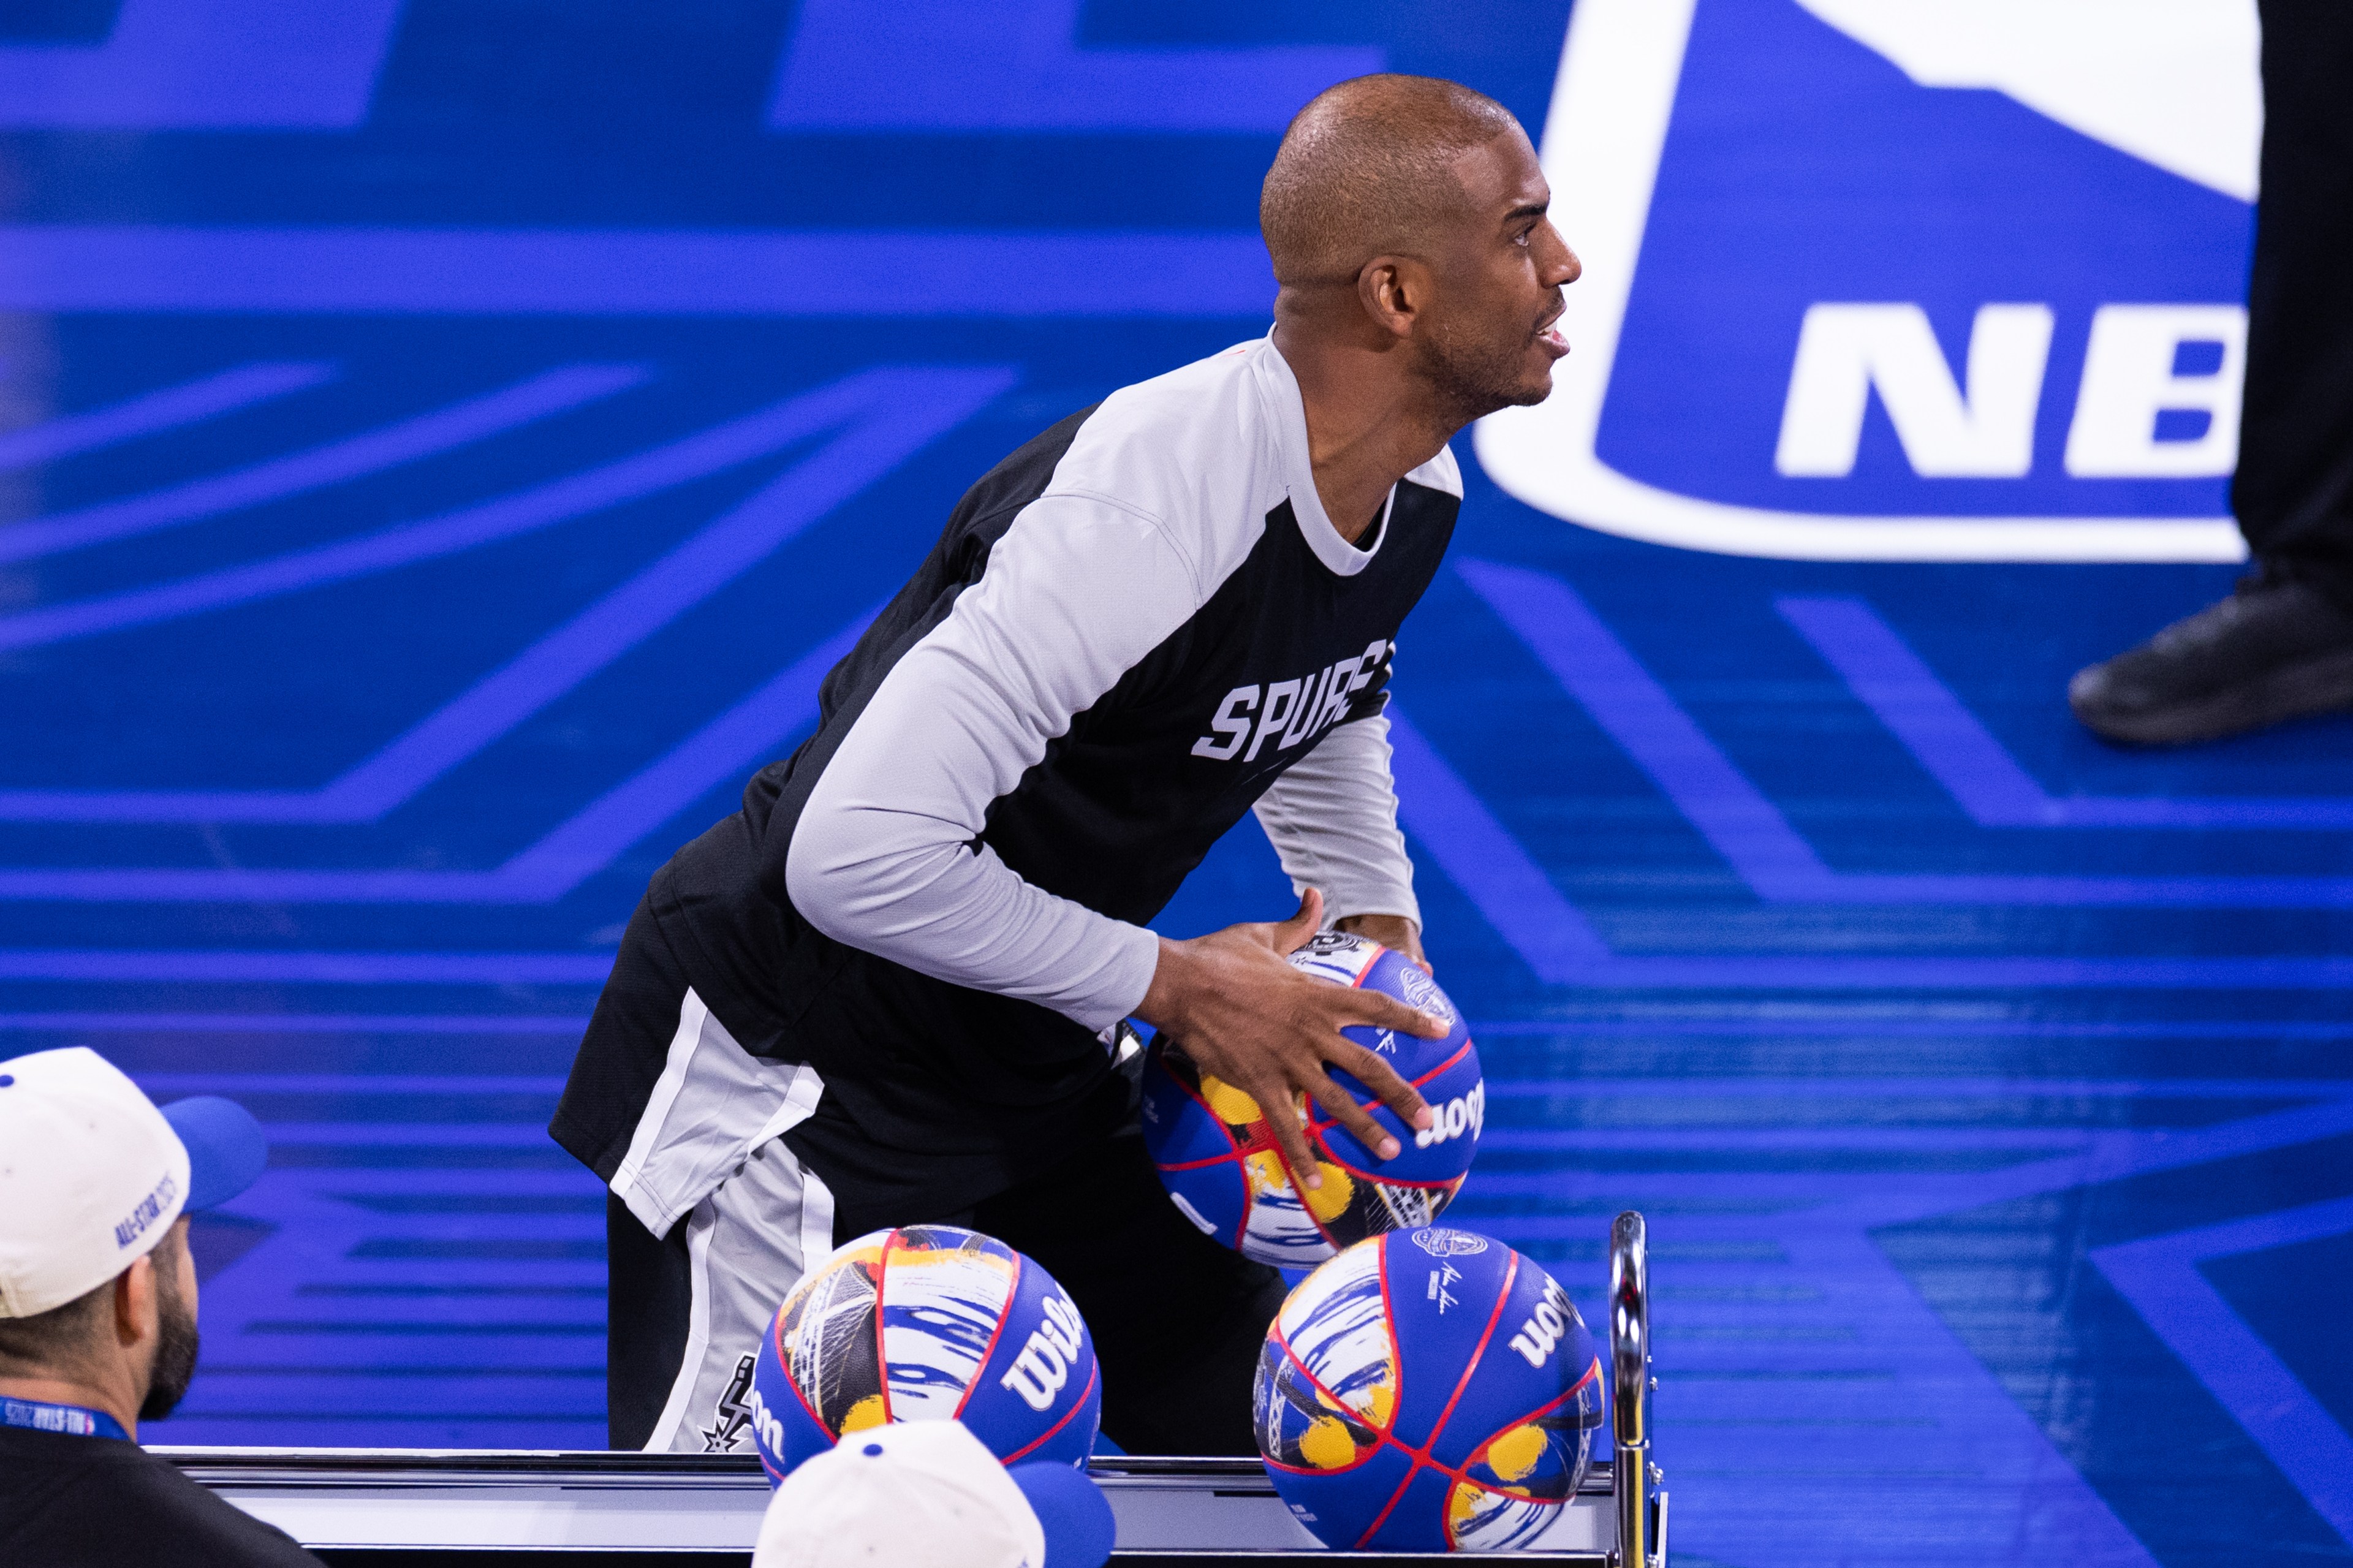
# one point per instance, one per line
(1899, 280)
(68, 1420)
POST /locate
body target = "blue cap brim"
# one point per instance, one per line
(1079, 1530)
(226, 1148)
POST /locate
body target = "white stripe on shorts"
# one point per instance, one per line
(713, 1104)
(748, 1243)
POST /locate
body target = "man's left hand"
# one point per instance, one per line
(1391, 932)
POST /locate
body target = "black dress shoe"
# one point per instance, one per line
(2277, 648)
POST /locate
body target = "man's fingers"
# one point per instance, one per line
(1389, 1088)
(1342, 1107)
(1274, 1104)
(1293, 935)
(1385, 1012)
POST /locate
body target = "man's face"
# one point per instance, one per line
(1488, 340)
(175, 1311)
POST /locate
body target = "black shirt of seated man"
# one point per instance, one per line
(97, 1502)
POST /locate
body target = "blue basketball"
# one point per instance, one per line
(1220, 1161)
(1429, 1390)
(926, 1323)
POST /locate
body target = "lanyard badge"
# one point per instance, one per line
(39, 1415)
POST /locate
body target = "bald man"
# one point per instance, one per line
(893, 988)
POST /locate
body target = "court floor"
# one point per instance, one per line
(1986, 1089)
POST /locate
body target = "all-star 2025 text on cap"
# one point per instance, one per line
(92, 1174)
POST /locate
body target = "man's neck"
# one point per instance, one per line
(1369, 423)
(72, 1390)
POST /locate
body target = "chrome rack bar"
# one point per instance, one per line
(1641, 1537)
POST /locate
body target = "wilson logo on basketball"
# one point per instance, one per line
(765, 1427)
(1041, 1369)
(1465, 1114)
(1541, 1331)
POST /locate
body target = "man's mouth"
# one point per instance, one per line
(1548, 334)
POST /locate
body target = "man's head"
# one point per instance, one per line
(135, 1335)
(97, 1292)
(1411, 212)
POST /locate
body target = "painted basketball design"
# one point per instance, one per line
(926, 1323)
(1220, 1161)
(1430, 1390)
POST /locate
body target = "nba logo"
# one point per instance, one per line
(1899, 280)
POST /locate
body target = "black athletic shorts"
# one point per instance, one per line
(1177, 1319)
(731, 1172)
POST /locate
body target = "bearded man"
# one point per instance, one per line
(98, 1316)
(893, 988)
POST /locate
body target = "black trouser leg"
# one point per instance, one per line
(2293, 491)
(1177, 1319)
(650, 1293)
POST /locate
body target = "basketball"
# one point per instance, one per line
(926, 1323)
(1430, 1390)
(1223, 1166)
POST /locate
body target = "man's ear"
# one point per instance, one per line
(135, 1307)
(1393, 290)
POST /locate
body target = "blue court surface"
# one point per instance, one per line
(444, 446)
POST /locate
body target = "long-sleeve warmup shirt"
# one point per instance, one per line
(1134, 629)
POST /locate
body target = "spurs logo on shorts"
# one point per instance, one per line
(734, 1413)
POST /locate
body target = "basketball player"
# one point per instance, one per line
(892, 989)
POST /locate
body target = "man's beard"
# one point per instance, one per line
(1473, 379)
(176, 1349)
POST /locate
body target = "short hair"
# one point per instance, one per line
(60, 1337)
(1364, 171)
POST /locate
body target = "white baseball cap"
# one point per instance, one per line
(92, 1174)
(929, 1493)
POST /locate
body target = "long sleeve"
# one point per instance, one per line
(1332, 818)
(887, 856)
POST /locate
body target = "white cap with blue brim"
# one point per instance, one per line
(931, 1493)
(92, 1174)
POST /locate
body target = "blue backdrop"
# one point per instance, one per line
(443, 445)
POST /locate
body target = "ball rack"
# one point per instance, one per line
(501, 1508)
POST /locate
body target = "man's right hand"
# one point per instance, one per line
(1244, 1015)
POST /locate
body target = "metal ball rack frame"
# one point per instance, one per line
(1636, 1493)
(483, 1508)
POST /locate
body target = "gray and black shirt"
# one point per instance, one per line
(1135, 629)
